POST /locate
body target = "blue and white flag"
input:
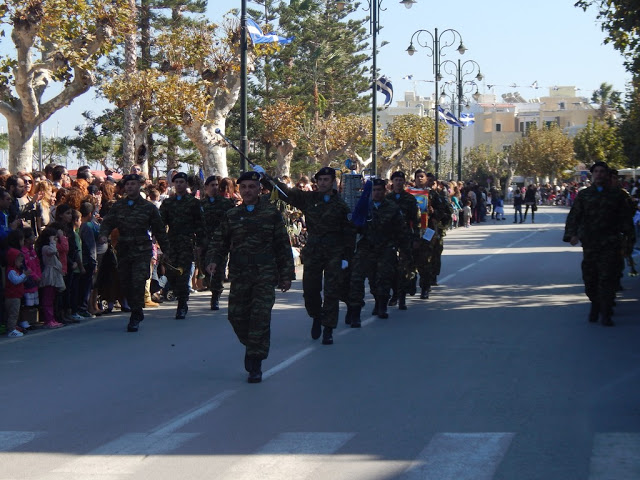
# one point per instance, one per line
(383, 85)
(407, 77)
(201, 174)
(255, 32)
(448, 117)
(467, 119)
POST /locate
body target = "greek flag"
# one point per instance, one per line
(449, 118)
(255, 32)
(467, 119)
(384, 86)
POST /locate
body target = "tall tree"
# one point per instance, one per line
(56, 42)
(609, 100)
(630, 124)
(621, 21)
(599, 141)
(544, 152)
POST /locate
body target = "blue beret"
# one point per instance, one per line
(398, 174)
(255, 176)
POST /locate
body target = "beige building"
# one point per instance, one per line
(501, 124)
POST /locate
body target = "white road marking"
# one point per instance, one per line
(289, 455)
(615, 456)
(467, 267)
(460, 456)
(287, 363)
(10, 440)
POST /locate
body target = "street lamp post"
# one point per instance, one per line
(375, 6)
(461, 71)
(436, 44)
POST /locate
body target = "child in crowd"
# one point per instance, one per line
(89, 259)
(32, 263)
(499, 208)
(14, 290)
(52, 279)
(467, 213)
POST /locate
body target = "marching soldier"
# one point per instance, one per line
(214, 208)
(599, 219)
(133, 216)
(384, 234)
(256, 238)
(182, 214)
(329, 247)
(411, 213)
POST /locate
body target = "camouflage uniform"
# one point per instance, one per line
(443, 222)
(600, 219)
(331, 238)
(213, 211)
(411, 213)
(133, 219)
(260, 257)
(432, 210)
(182, 214)
(384, 234)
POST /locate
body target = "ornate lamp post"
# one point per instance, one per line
(436, 43)
(375, 6)
(461, 72)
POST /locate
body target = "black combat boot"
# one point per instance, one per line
(402, 301)
(247, 362)
(255, 370)
(382, 307)
(393, 301)
(137, 316)
(348, 318)
(606, 312)
(425, 294)
(316, 328)
(413, 286)
(376, 307)
(355, 317)
(594, 312)
(327, 336)
(215, 301)
(181, 311)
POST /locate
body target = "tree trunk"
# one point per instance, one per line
(284, 155)
(20, 147)
(213, 153)
(131, 112)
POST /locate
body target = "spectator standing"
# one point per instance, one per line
(52, 278)
(530, 200)
(14, 290)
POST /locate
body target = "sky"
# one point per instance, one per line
(550, 42)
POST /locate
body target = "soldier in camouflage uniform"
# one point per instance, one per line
(443, 222)
(329, 247)
(383, 235)
(599, 219)
(431, 211)
(134, 216)
(256, 238)
(214, 208)
(409, 207)
(182, 214)
(627, 244)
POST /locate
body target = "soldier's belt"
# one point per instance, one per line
(134, 238)
(258, 259)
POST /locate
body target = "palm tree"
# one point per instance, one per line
(609, 100)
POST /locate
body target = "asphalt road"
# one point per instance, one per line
(497, 376)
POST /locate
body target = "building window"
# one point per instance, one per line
(498, 127)
(562, 105)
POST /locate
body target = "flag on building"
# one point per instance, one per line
(383, 85)
(407, 77)
(467, 119)
(255, 32)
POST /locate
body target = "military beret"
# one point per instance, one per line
(179, 175)
(326, 171)
(379, 182)
(398, 174)
(132, 176)
(431, 175)
(210, 179)
(255, 176)
(598, 164)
